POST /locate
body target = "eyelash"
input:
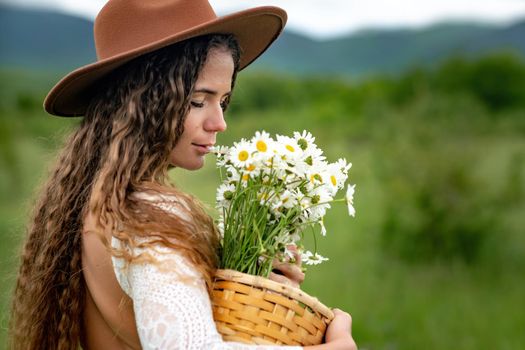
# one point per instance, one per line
(197, 104)
(224, 105)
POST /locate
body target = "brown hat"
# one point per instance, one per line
(125, 29)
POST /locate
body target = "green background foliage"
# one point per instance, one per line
(435, 256)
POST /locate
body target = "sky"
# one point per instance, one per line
(329, 18)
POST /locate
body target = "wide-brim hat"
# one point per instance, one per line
(126, 29)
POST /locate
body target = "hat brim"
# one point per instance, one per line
(255, 30)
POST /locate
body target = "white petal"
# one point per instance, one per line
(350, 199)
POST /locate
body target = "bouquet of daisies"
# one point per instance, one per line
(271, 191)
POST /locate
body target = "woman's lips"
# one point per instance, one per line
(204, 149)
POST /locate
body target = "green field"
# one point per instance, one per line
(434, 258)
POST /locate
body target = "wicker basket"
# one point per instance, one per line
(255, 310)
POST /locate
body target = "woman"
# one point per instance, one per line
(116, 257)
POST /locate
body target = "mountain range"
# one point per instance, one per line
(38, 39)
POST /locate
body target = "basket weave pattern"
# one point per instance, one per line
(255, 310)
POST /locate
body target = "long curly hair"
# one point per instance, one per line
(121, 148)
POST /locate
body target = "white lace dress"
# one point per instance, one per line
(171, 303)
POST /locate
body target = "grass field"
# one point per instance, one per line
(467, 158)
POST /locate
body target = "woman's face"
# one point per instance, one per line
(206, 115)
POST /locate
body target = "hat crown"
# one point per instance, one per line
(124, 25)
(126, 29)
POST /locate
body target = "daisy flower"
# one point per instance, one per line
(262, 142)
(317, 212)
(335, 175)
(220, 152)
(343, 165)
(225, 193)
(314, 179)
(305, 140)
(286, 199)
(253, 169)
(241, 153)
(288, 148)
(311, 153)
(232, 174)
(310, 258)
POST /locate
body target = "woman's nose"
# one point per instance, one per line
(215, 122)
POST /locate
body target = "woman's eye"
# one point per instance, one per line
(197, 104)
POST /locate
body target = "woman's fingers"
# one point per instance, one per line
(292, 272)
(289, 271)
(283, 279)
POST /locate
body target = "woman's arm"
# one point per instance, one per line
(173, 310)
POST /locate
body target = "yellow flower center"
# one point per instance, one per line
(243, 156)
(334, 181)
(250, 167)
(261, 146)
(290, 148)
(245, 177)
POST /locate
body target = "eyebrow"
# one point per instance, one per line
(211, 92)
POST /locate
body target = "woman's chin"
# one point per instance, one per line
(192, 165)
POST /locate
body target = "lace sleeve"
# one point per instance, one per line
(172, 306)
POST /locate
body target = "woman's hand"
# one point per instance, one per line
(338, 334)
(287, 272)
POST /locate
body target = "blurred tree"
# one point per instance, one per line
(498, 81)
(9, 170)
(28, 102)
(434, 207)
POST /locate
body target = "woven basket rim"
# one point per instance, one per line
(290, 291)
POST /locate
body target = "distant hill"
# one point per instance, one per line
(47, 40)
(40, 39)
(379, 51)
